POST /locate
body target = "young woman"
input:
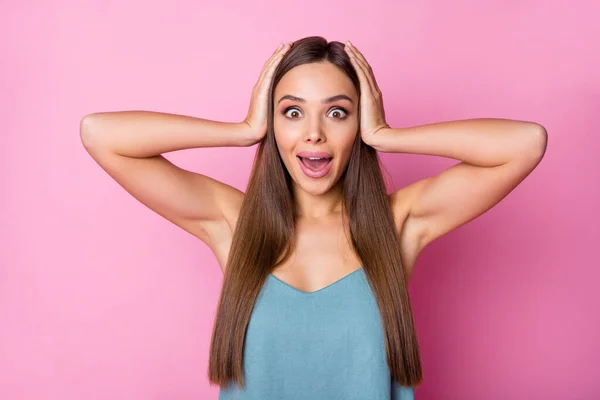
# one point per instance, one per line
(316, 255)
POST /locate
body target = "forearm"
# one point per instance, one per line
(143, 134)
(485, 142)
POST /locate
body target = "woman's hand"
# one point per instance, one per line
(372, 114)
(257, 114)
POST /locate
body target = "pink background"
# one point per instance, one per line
(100, 298)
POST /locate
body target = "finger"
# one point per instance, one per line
(269, 62)
(278, 47)
(363, 74)
(368, 73)
(272, 62)
(366, 66)
(362, 77)
(358, 62)
(270, 69)
(278, 50)
(357, 53)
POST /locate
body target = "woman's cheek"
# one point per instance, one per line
(288, 134)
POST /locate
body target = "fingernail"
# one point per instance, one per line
(280, 46)
(349, 43)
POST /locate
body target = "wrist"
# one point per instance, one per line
(247, 135)
(375, 139)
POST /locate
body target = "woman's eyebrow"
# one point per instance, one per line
(324, 101)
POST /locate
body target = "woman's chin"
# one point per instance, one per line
(313, 186)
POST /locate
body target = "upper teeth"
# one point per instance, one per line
(314, 158)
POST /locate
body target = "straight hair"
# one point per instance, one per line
(265, 232)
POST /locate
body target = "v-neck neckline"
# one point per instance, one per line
(318, 290)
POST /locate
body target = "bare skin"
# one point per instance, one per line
(496, 156)
(323, 252)
(208, 209)
(323, 255)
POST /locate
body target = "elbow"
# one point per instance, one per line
(540, 140)
(87, 129)
(535, 143)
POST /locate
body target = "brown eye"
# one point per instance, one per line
(338, 110)
(294, 113)
(287, 113)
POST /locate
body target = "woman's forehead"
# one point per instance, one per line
(314, 82)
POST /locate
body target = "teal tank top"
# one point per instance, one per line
(322, 345)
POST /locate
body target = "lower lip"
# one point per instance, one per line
(315, 174)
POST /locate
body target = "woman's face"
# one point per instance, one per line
(315, 122)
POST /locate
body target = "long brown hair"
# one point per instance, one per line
(265, 231)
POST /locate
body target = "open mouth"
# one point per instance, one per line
(315, 167)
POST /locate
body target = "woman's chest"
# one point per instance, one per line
(321, 255)
(342, 314)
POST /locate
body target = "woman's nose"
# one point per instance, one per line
(314, 137)
(315, 132)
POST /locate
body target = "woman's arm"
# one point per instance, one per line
(128, 146)
(496, 155)
(484, 142)
(143, 134)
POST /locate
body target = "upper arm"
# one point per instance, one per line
(409, 230)
(197, 203)
(439, 204)
(461, 193)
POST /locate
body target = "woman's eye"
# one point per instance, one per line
(290, 115)
(338, 110)
(293, 112)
